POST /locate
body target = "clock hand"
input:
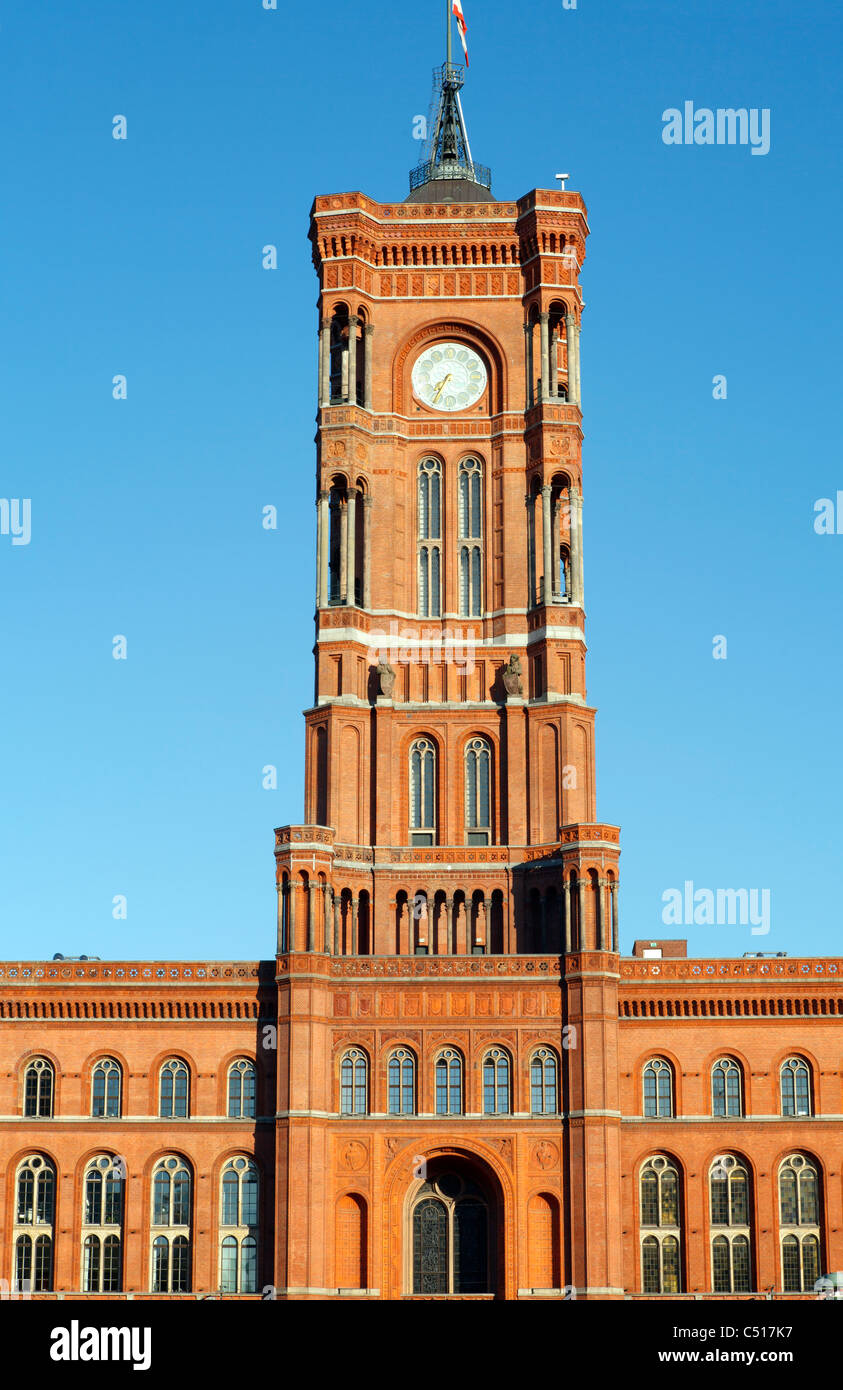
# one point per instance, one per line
(442, 385)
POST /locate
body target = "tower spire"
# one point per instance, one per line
(446, 171)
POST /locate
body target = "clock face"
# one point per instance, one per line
(449, 376)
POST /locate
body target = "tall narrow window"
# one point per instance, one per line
(38, 1089)
(102, 1225)
(241, 1090)
(422, 792)
(354, 1083)
(105, 1089)
(726, 1088)
(171, 1227)
(449, 1099)
(33, 1232)
(496, 1083)
(799, 1223)
(430, 538)
(658, 1088)
(544, 1082)
(402, 1083)
(470, 528)
(478, 792)
(239, 1227)
(660, 1230)
(730, 1209)
(452, 1233)
(174, 1089)
(796, 1087)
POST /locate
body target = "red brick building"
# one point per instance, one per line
(448, 1083)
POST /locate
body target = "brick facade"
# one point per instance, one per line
(449, 1050)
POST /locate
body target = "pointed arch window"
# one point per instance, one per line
(544, 1082)
(423, 792)
(497, 1083)
(430, 538)
(102, 1225)
(796, 1087)
(174, 1090)
(354, 1083)
(33, 1233)
(470, 537)
(478, 792)
(449, 1085)
(658, 1089)
(242, 1089)
(38, 1089)
(726, 1097)
(239, 1227)
(171, 1227)
(402, 1082)
(105, 1089)
(661, 1231)
(730, 1208)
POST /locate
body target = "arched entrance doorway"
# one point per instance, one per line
(452, 1231)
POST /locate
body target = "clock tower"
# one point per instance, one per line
(448, 913)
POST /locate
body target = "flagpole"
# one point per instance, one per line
(448, 27)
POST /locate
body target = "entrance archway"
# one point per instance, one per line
(452, 1231)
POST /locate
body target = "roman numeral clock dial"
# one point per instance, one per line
(449, 376)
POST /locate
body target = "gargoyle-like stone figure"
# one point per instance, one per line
(386, 679)
(512, 676)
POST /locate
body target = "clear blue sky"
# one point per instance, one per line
(143, 777)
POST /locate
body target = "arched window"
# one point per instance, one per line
(354, 1083)
(33, 1233)
(661, 1231)
(451, 1237)
(174, 1089)
(496, 1082)
(105, 1089)
(38, 1089)
(658, 1088)
(796, 1087)
(449, 1090)
(423, 792)
(170, 1230)
(799, 1223)
(730, 1207)
(239, 1227)
(102, 1225)
(402, 1083)
(544, 1082)
(478, 792)
(430, 538)
(470, 528)
(726, 1088)
(242, 1087)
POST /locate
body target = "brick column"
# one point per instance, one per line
(545, 351)
(352, 358)
(547, 556)
(367, 550)
(570, 332)
(368, 332)
(554, 363)
(325, 363)
(593, 1155)
(322, 549)
(351, 546)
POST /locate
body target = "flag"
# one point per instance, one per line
(456, 10)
